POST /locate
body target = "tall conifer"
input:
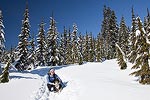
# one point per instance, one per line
(24, 41)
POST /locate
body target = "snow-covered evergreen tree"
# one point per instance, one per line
(86, 47)
(63, 47)
(91, 49)
(80, 49)
(98, 50)
(109, 33)
(24, 41)
(112, 35)
(132, 54)
(52, 47)
(2, 38)
(147, 24)
(69, 48)
(75, 44)
(32, 54)
(12, 54)
(142, 47)
(105, 30)
(41, 46)
(5, 75)
(123, 37)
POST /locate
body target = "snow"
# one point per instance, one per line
(2, 34)
(147, 40)
(90, 81)
(138, 33)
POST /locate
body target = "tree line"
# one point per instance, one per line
(72, 47)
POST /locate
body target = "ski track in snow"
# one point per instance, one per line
(70, 92)
(41, 93)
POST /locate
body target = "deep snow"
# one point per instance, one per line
(90, 81)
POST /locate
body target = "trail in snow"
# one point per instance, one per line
(70, 92)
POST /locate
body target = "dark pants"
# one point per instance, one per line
(54, 88)
(50, 86)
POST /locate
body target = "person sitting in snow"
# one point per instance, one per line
(54, 83)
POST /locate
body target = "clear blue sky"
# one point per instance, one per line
(87, 14)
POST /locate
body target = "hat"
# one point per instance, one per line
(51, 70)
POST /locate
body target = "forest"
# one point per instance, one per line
(51, 48)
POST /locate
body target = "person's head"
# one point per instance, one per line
(51, 71)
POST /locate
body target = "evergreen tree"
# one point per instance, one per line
(69, 48)
(63, 47)
(41, 46)
(123, 37)
(74, 44)
(99, 48)
(52, 47)
(80, 49)
(147, 24)
(103, 49)
(91, 49)
(86, 47)
(5, 75)
(132, 54)
(112, 35)
(109, 33)
(142, 48)
(121, 58)
(147, 21)
(2, 38)
(32, 56)
(105, 22)
(6, 56)
(12, 55)
(105, 30)
(23, 41)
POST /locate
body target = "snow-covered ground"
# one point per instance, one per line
(91, 81)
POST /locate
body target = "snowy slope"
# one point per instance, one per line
(91, 81)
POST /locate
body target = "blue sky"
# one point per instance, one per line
(87, 14)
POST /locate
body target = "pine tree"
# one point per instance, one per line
(105, 31)
(132, 54)
(113, 33)
(23, 41)
(69, 48)
(74, 44)
(32, 55)
(80, 49)
(63, 47)
(91, 49)
(147, 24)
(123, 37)
(99, 48)
(52, 47)
(105, 22)
(142, 48)
(5, 75)
(2, 38)
(86, 47)
(109, 33)
(41, 45)
(121, 58)
(12, 55)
